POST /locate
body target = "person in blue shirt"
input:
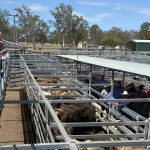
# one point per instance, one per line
(102, 79)
(117, 90)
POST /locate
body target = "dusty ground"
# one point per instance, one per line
(11, 126)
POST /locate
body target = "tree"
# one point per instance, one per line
(96, 35)
(133, 34)
(111, 43)
(79, 30)
(4, 24)
(42, 32)
(63, 16)
(71, 28)
(145, 31)
(27, 22)
(118, 35)
(24, 14)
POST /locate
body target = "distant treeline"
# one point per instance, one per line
(69, 29)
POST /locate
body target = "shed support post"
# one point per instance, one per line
(123, 81)
(112, 82)
(67, 64)
(104, 72)
(77, 71)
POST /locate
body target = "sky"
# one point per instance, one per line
(125, 14)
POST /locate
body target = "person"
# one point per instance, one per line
(106, 93)
(145, 111)
(123, 104)
(117, 90)
(140, 93)
(102, 81)
(131, 90)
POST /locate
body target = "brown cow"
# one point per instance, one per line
(115, 148)
(78, 113)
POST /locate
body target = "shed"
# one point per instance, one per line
(138, 45)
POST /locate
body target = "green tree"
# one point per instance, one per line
(27, 22)
(96, 35)
(118, 35)
(71, 28)
(111, 43)
(63, 16)
(79, 30)
(5, 25)
(54, 37)
(133, 34)
(145, 31)
(24, 14)
(42, 32)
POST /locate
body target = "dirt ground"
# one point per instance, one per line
(11, 126)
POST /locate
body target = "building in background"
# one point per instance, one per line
(138, 45)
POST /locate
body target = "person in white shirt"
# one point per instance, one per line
(106, 93)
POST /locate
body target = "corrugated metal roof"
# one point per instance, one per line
(131, 67)
(141, 41)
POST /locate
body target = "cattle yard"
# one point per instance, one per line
(51, 82)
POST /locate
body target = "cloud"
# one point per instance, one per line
(97, 18)
(125, 6)
(9, 2)
(38, 8)
(90, 3)
(121, 6)
(144, 11)
(115, 6)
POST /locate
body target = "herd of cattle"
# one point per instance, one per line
(70, 113)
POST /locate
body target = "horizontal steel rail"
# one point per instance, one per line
(102, 136)
(96, 124)
(76, 101)
(134, 143)
(61, 84)
(41, 146)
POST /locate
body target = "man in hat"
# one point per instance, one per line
(123, 104)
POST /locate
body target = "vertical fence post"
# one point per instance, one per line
(0, 81)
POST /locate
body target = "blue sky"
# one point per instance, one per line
(126, 14)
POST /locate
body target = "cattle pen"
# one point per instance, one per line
(44, 77)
